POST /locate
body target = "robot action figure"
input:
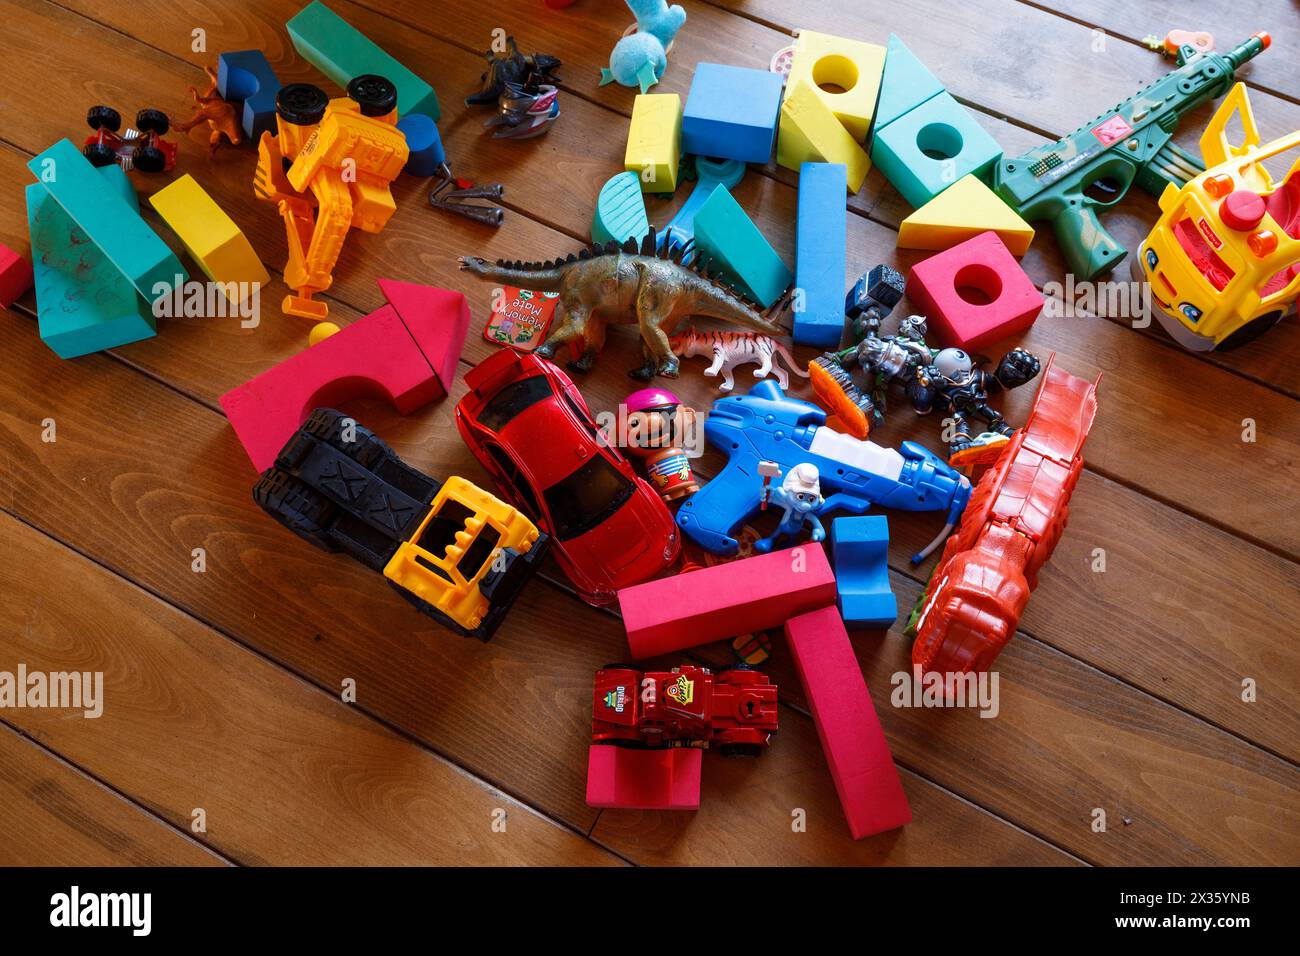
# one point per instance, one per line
(800, 496)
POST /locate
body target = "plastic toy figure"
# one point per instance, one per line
(513, 67)
(525, 111)
(799, 497)
(954, 384)
(654, 428)
(142, 148)
(328, 170)
(221, 117)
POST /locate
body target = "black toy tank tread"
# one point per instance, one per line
(291, 502)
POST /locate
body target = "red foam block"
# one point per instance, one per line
(984, 268)
(405, 351)
(625, 779)
(861, 764)
(739, 597)
(15, 276)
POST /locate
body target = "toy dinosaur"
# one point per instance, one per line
(512, 67)
(624, 283)
(220, 116)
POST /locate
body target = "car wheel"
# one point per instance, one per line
(149, 159)
(375, 95)
(618, 666)
(301, 104)
(1249, 332)
(104, 117)
(291, 502)
(100, 155)
(152, 121)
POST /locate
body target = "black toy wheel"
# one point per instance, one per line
(301, 104)
(619, 666)
(734, 667)
(104, 117)
(740, 750)
(1249, 332)
(365, 448)
(291, 502)
(152, 121)
(374, 94)
(100, 155)
(149, 159)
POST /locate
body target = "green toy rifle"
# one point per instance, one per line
(1132, 142)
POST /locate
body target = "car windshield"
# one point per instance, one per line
(586, 498)
(512, 400)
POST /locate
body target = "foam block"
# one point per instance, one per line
(961, 212)
(930, 147)
(731, 113)
(974, 294)
(425, 145)
(739, 597)
(654, 141)
(83, 303)
(820, 237)
(405, 351)
(725, 234)
(905, 85)
(246, 76)
(855, 747)
(810, 133)
(109, 220)
(15, 276)
(624, 779)
(854, 66)
(210, 237)
(860, 553)
(709, 175)
(342, 52)
(620, 211)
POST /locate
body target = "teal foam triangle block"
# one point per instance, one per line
(905, 84)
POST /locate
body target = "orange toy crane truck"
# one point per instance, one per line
(328, 170)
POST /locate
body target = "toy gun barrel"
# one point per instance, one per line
(1248, 50)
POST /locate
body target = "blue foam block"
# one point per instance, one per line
(731, 113)
(246, 76)
(422, 139)
(860, 551)
(820, 254)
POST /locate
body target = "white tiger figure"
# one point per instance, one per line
(729, 349)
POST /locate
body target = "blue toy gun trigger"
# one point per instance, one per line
(844, 501)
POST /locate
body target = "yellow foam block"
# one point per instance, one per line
(853, 66)
(654, 141)
(210, 236)
(964, 209)
(810, 133)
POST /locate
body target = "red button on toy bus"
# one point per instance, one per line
(1242, 210)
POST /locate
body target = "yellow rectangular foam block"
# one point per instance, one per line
(654, 141)
(963, 210)
(853, 66)
(810, 133)
(210, 236)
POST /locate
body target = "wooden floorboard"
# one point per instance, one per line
(1122, 692)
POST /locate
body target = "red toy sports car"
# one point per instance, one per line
(527, 424)
(142, 148)
(685, 707)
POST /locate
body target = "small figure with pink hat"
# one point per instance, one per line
(658, 429)
(800, 497)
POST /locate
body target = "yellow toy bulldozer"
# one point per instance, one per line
(328, 169)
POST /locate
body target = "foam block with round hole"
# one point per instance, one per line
(930, 147)
(739, 597)
(821, 59)
(974, 294)
(856, 750)
(624, 779)
(405, 351)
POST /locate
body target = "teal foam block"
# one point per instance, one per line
(109, 220)
(905, 84)
(728, 237)
(930, 147)
(83, 303)
(860, 550)
(820, 250)
(620, 211)
(342, 52)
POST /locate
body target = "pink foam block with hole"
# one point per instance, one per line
(625, 779)
(405, 351)
(739, 597)
(980, 269)
(15, 276)
(855, 747)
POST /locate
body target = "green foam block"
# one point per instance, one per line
(620, 211)
(726, 235)
(342, 52)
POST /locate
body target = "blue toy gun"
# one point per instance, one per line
(765, 425)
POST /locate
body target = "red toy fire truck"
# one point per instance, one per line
(687, 706)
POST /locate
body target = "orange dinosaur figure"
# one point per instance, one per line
(221, 117)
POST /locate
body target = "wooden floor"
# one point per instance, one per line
(1122, 692)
